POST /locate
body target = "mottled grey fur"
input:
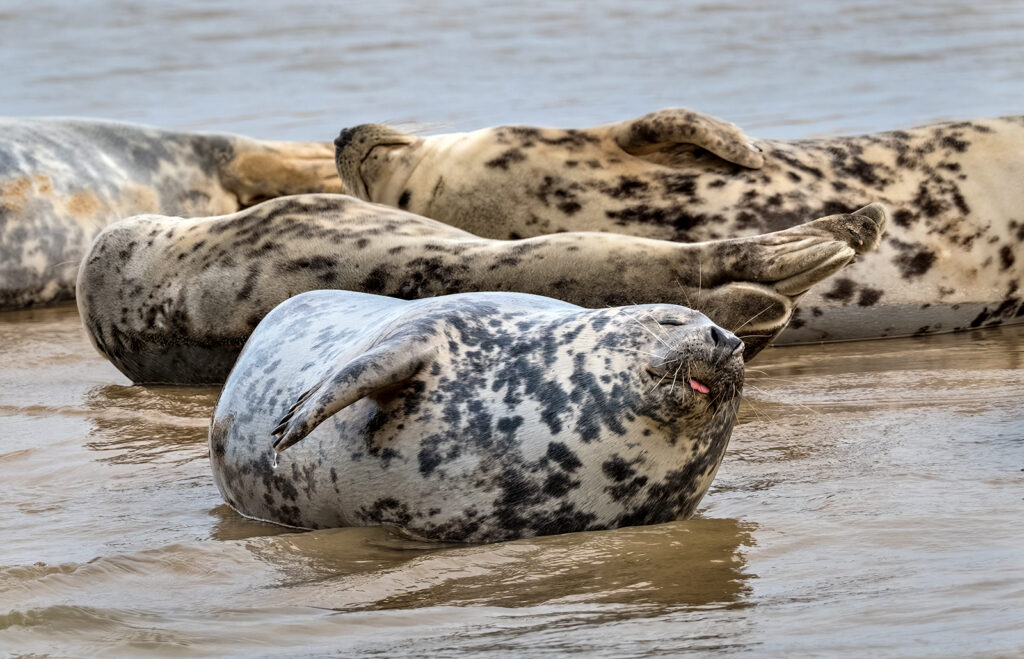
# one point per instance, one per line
(951, 260)
(63, 180)
(474, 418)
(172, 300)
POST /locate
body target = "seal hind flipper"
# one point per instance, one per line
(669, 127)
(794, 259)
(387, 365)
(771, 272)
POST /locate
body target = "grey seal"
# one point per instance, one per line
(173, 301)
(952, 258)
(63, 180)
(477, 417)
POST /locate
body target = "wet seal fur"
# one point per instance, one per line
(169, 300)
(952, 259)
(63, 180)
(478, 417)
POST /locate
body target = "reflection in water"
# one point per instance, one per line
(229, 525)
(694, 563)
(147, 424)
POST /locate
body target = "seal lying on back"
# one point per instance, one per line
(63, 180)
(171, 300)
(475, 418)
(952, 260)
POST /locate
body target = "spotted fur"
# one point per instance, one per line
(474, 418)
(63, 180)
(172, 300)
(952, 259)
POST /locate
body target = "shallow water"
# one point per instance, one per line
(304, 69)
(871, 499)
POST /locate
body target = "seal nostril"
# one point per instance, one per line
(727, 342)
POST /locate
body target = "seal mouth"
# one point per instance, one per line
(699, 386)
(664, 376)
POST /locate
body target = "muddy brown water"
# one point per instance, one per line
(871, 500)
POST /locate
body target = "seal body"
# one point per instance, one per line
(952, 259)
(172, 300)
(63, 180)
(475, 418)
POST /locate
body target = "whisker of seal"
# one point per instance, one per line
(752, 318)
(759, 414)
(648, 330)
(809, 409)
(685, 294)
(663, 330)
(770, 376)
(656, 384)
(700, 278)
(642, 352)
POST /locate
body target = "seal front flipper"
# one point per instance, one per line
(667, 128)
(385, 366)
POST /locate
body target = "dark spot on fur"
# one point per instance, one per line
(564, 456)
(842, 290)
(903, 217)
(951, 142)
(377, 280)
(506, 159)
(869, 296)
(1006, 257)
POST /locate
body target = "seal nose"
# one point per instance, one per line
(726, 343)
(345, 137)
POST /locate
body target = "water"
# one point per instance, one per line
(304, 69)
(871, 499)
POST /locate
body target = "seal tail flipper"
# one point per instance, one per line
(667, 128)
(387, 365)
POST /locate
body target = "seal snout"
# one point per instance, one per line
(707, 360)
(726, 344)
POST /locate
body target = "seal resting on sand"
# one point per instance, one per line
(478, 417)
(952, 258)
(63, 180)
(173, 301)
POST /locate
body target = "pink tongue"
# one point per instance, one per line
(699, 386)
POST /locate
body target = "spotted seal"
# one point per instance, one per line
(952, 259)
(63, 180)
(477, 417)
(172, 300)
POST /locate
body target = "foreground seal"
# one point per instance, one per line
(173, 301)
(475, 418)
(952, 259)
(63, 180)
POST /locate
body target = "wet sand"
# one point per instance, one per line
(870, 502)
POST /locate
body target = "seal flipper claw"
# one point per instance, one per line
(389, 364)
(672, 126)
